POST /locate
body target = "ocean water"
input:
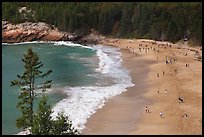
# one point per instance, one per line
(84, 77)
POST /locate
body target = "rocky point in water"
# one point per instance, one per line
(40, 31)
(29, 31)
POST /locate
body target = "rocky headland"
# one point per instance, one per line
(40, 31)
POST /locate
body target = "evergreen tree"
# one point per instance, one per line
(63, 126)
(27, 84)
(126, 23)
(44, 125)
(42, 120)
(157, 20)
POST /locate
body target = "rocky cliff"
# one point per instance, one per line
(40, 31)
(29, 31)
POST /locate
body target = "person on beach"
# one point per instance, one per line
(165, 91)
(146, 109)
(187, 65)
(181, 99)
(170, 61)
(185, 115)
(163, 73)
(161, 114)
(158, 91)
(157, 74)
(167, 61)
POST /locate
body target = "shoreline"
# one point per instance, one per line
(187, 82)
(126, 114)
(119, 108)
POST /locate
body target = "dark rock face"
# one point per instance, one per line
(92, 38)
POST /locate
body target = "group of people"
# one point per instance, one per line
(187, 65)
(141, 47)
(147, 110)
(163, 73)
(170, 61)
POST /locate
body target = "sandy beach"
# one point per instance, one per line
(158, 85)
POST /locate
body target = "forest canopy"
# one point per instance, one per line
(172, 21)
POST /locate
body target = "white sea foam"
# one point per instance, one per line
(24, 132)
(4, 43)
(66, 43)
(29, 42)
(71, 44)
(82, 102)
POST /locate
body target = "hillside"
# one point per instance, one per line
(171, 21)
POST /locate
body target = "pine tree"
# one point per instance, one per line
(63, 126)
(126, 25)
(27, 84)
(43, 124)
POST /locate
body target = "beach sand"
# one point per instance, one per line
(125, 114)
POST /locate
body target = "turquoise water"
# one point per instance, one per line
(72, 66)
(84, 78)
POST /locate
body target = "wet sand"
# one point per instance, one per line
(125, 113)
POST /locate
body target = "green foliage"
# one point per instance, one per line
(27, 84)
(156, 20)
(126, 24)
(42, 120)
(63, 126)
(44, 125)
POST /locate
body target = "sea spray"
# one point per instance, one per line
(82, 102)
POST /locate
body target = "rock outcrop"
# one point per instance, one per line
(29, 31)
(40, 31)
(92, 38)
